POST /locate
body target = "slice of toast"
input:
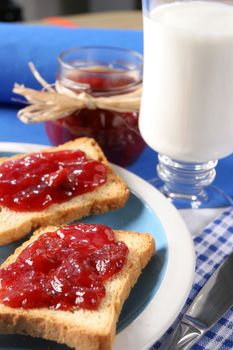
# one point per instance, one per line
(112, 195)
(82, 329)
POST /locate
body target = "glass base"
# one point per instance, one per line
(184, 183)
(185, 201)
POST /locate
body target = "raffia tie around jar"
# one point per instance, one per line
(56, 101)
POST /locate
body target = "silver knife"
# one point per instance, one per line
(213, 300)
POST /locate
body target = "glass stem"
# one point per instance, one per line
(184, 181)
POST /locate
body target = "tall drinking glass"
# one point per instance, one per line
(187, 103)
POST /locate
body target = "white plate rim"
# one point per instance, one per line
(175, 287)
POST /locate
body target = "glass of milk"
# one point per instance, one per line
(187, 102)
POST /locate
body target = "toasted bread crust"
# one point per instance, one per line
(82, 329)
(112, 195)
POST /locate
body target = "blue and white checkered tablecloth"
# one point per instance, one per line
(212, 246)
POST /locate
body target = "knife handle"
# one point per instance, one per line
(185, 335)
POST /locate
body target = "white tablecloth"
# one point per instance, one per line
(197, 219)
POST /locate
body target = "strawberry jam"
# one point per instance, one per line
(65, 269)
(36, 181)
(116, 132)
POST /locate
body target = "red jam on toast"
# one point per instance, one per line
(36, 181)
(64, 269)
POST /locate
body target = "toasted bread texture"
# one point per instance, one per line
(112, 195)
(82, 329)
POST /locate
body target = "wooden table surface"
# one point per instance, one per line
(114, 19)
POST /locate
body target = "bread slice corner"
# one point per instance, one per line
(82, 329)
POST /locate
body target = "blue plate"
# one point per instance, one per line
(146, 211)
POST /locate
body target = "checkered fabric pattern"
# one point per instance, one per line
(212, 246)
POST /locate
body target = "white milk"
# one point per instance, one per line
(187, 104)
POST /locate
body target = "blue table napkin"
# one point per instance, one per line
(20, 44)
(212, 247)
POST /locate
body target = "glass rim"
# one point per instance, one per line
(137, 66)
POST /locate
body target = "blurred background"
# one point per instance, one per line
(30, 10)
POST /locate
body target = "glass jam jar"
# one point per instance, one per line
(101, 71)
